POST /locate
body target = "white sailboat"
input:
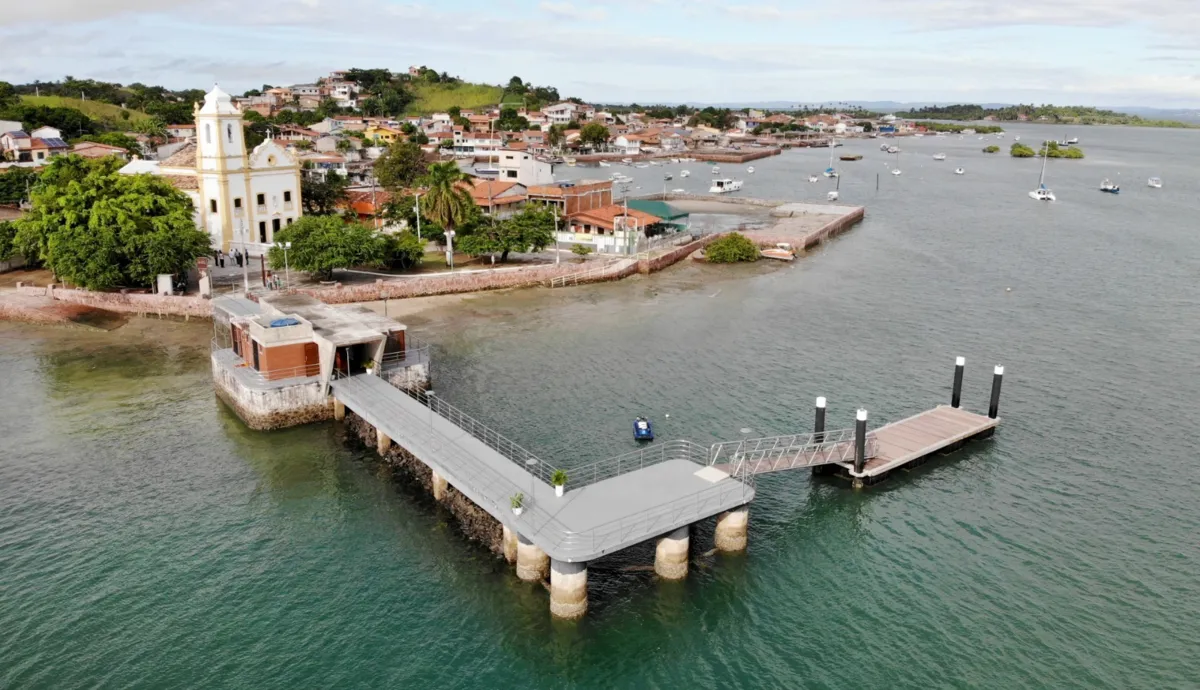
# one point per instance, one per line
(896, 170)
(1042, 193)
(1155, 182)
(830, 172)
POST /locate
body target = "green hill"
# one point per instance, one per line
(96, 110)
(435, 98)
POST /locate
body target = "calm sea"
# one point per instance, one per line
(148, 540)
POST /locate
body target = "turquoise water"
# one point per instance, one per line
(148, 540)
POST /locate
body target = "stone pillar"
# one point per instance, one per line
(532, 562)
(439, 485)
(568, 589)
(731, 529)
(671, 554)
(339, 410)
(382, 442)
(510, 545)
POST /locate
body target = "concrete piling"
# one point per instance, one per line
(382, 442)
(438, 484)
(731, 530)
(568, 589)
(997, 378)
(532, 563)
(509, 541)
(339, 410)
(960, 363)
(671, 554)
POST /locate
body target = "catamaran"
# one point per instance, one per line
(1042, 193)
(830, 172)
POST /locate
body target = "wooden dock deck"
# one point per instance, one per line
(912, 441)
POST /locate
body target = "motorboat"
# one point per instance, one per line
(832, 195)
(781, 251)
(883, 147)
(750, 170)
(896, 171)
(641, 165)
(724, 185)
(1042, 193)
(1154, 182)
(667, 176)
(627, 161)
(605, 164)
(939, 156)
(1110, 187)
(960, 171)
(679, 191)
(684, 173)
(893, 149)
(716, 170)
(813, 178)
(1017, 138)
(643, 430)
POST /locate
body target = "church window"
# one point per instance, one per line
(287, 196)
(289, 221)
(208, 133)
(262, 199)
(262, 231)
(237, 203)
(212, 205)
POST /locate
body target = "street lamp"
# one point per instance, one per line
(245, 258)
(287, 274)
(417, 210)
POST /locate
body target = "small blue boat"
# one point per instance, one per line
(643, 430)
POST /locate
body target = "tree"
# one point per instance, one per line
(454, 112)
(99, 229)
(510, 121)
(321, 244)
(8, 230)
(321, 196)
(573, 124)
(593, 134)
(400, 166)
(581, 250)
(117, 139)
(530, 230)
(8, 95)
(1019, 150)
(732, 248)
(555, 136)
(515, 85)
(405, 250)
(446, 203)
(16, 183)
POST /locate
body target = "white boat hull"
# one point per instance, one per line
(725, 186)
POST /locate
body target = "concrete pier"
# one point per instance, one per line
(532, 563)
(339, 409)
(671, 554)
(731, 529)
(568, 589)
(439, 485)
(382, 442)
(509, 542)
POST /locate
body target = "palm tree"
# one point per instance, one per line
(445, 203)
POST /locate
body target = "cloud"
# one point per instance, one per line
(569, 12)
(764, 13)
(82, 11)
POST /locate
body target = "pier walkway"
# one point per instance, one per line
(619, 502)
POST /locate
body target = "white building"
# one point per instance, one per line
(241, 198)
(521, 167)
(562, 113)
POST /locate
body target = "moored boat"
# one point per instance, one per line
(1154, 182)
(1110, 187)
(724, 186)
(643, 430)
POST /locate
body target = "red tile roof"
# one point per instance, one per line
(606, 216)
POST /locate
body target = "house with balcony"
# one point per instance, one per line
(272, 360)
(319, 165)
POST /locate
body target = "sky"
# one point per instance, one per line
(1077, 52)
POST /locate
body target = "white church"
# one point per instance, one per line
(242, 199)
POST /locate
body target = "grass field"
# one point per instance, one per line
(93, 109)
(434, 98)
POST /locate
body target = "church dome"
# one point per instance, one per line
(217, 102)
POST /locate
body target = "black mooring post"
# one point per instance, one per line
(960, 363)
(997, 378)
(860, 441)
(819, 421)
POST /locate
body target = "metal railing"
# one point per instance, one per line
(775, 453)
(415, 352)
(646, 456)
(586, 275)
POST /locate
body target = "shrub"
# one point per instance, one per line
(732, 248)
(581, 250)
